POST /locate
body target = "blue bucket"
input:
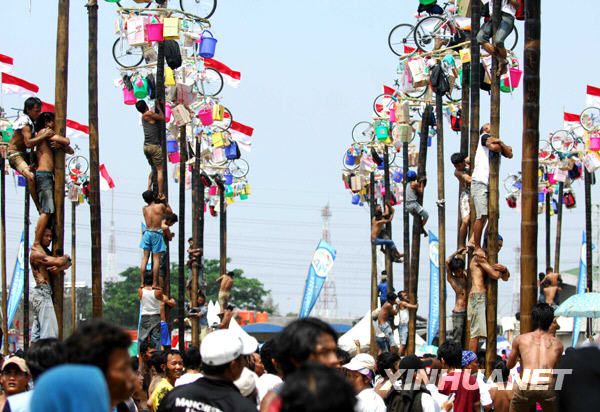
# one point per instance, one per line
(381, 166)
(228, 178)
(355, 199)
(207, 45)
(350, 160)
(172, 146)
(397, 176)
(541, 197)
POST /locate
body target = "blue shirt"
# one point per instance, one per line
(382, 288)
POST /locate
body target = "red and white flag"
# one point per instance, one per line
(15, 85)
(571, 120)
(388, 90)
(6, 63)
(242, 135)
(592, 96)
(106, 182)
(231, 77)
(74, 129)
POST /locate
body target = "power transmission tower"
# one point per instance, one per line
(326, 306)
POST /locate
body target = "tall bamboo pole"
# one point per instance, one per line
(441, 193)
(182, 242)
(548, 205)
(26, 224)
(73, 265)
(196, 205)
(464, 136)
(589, 239)
(222, 233)
(389, 265)
(373, 342)
(417, 233)
(60, 113)
(405, 219)
(94, 187)
(529, 165)
(3, 252)
(558, 228)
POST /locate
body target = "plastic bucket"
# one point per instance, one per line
(140, 88)
(128, 97)
(7, 134)
(154, 31)
(541, 197)
(514, 78)
(243, 196)
(228, 178)
(595, 143)
(205, 116)
(212, 191)
(228, 191)
(350, 159)
(551, 179)
(397, 176)
(207, 45)
(168, 111)
(355, 199)
(173, 157)
(172, 146)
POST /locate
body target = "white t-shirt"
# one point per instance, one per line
(506, 7)
(369, 401)
(484, 390)
(188, 378)
(20, 402)
(265, 383)
(481, 169)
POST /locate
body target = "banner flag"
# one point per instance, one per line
(321, 265)
(433, 323)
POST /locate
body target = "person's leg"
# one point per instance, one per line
(548, 400)
(473, 344)
(155, 269)
(463, 231)
(47, 318)
(483, 38)
(145, 257)
(155, 335)
(478, 230)
(160, 181)
(35, 309)
(41, 225)
(521, 402)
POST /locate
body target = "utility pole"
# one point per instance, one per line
(94, 187)
(417, 233)
(182, 248)
(373, 342)
(389, 265)
(441, 215)
(60, 113)
(531, 142)
(26, 270)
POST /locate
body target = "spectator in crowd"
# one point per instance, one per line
(14, 377)
(191, 362)
(173, 369)
(457, 382)
(360, 372)
(272, 376)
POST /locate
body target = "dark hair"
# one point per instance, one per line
(391, 297)
(549, 269)
(214, 370)
(317, 388)
(267, 354)
(192, 358)
(451, 353)
(457, 158)
(541, 275)
(148, 278)
(386, 360)
(167, 353)
(145, 345)
(230, 274)
(298, 340)
(148, 196)
(44, 118)
(135, 363)
(171, 218)
(45, 354)
(31, 103)
(156, 361)
(343, 356)
(505, 372)
(141, 106)
(542, 316)
(94, 341)
(456, 263)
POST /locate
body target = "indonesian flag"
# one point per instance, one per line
(592, 96)
(74, 129)
(106, 182)
(15, 85)
(242, 135)
(388, 90)
(231, 77)
(409, 50)
(571, 120)
(6, 63)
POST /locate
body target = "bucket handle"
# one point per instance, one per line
(209, 32)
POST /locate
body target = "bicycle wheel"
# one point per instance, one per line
(513, 184)
(417, 93)
(454, 95)
(590, 118)
(201, 8)
(431, 33)
(513, 39)
(239, 168)
(363, 132)
(562, 141)
(400, 36)
(382, 104)
(125, 55)
(210, 83)
(546, 152)
(225, 124)
(77, 165)
(132, 4)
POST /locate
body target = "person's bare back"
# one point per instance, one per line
(477, 277)
(376, 227)
(539, 351)
(153, 215)
(459, 285)
(226, 283)
(385, 313)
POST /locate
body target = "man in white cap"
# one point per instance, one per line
(360, 372)
(222, 354)
(15, 376)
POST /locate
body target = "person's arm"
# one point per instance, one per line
(505, 274)
(514, 354)
(61, 140)
(159, 117)
(408, 305)
(219, 279)
(487, 268)
(31, 141)
(140, 293)
(52, 263)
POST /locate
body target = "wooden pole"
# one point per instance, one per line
(441, 194)
(548, 205)
(222, 233)
(464, 137)
(373, 341)
(182, 241)
(196, 205)
(94, 187)
(558, 228)
(529, 165)
(60, 113)
(389, 265)
(3, 257)
(405, 219)
(26, 224)
(588, 229)
(73, 265)
(417, 233)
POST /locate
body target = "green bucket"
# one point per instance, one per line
(7, 134)
(382, 130)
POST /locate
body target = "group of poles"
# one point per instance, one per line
(469, 138)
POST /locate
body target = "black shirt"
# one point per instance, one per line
(206, 395)
(579, 391)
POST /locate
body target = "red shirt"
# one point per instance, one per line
(464, 385)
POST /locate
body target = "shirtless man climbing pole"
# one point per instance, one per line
(480, 269)
(43, 264)
(457, 277)
(551, 284)
(379, 235)
(539, 352)
(152, 239)
(225, 284)
(385, 319)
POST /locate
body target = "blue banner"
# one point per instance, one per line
(321, 265)
(581, 285)
(433, 324)
(16, 284)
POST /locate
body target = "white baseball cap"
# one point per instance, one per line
(362, 363)
(221, 347)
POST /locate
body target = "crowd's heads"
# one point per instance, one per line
(411, 176)
(306, 339)
(450, 353)
(413, 370)
(486, 128)
(222, 355)
(148, 196)
(501, 366)
(458, 160)
(387, 360)
(542, 316)
(170, 219)
(45, 119)
(104, 345)
(360, 371)
(192, 359)
(172, 364)
(45, 354)
(148, 279)
(141, 106)
(268, 354)
(317, 388)
(230, 274)
(343, 357)
(46, 239)
(246, 383)
(32, 107)
(457, 265)
(15, 375)
(391, 297)
(469, 360)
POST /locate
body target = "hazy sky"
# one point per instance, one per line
(310, 71)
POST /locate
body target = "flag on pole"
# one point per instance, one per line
(231, 77)
(74, 129)
(433, 325)
(106, 182)
(15, 85)
(320, 267)
(6, 63)
(242, 135)
(592, 96)
(388, 90)
(571, 120)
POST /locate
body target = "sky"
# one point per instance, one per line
(310, 71)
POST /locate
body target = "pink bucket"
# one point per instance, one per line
(514, 77)
(128, 97)
(206, 117)
(551, 179)
(168, 112)
(393, 114)
(174, 157)
(212, 191)
(595, 142)
(154, 31)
